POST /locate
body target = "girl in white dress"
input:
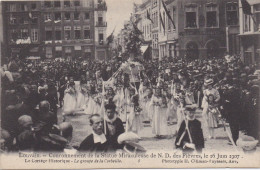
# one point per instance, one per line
(148, 105)
(159, 121)
(212, 116)
(119, 101)
(134, 116)
(70, 99)
(209, 90)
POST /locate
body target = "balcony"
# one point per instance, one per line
(101, 24)
(101, 7)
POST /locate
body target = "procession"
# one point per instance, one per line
(110, 104)
(161, 93)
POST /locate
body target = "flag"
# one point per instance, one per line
(110, 38)
(246, 7)
(137, 18)
(168, 14)
(136, 28)
(163, 24)
(148, 16)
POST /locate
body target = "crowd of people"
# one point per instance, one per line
(129, 92)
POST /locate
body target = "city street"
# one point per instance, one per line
(81, 129)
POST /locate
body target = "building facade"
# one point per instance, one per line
(203, 28)
(250, 34)
(208, 28)
(53, 29)
(21, 28)
(154, 13)
(145, 25)
(101, 48)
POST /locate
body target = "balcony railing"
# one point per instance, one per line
(101, 7)
(101, 24)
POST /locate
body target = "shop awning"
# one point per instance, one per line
(77, 47)
(144, 48)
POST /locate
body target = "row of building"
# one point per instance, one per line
(201, 29)
(54, 28)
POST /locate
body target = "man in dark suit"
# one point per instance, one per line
(114, 126)
(96, 141)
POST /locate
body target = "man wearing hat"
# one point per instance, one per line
(190, 135)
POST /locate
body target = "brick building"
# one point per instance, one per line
(60, 28)
(21, 28)
(250, 34)
(204, 28)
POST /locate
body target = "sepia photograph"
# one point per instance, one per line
(130, 84)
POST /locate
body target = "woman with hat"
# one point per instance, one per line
(209, 90)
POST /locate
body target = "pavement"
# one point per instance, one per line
(82, 128)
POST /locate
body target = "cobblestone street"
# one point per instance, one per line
(82, 129)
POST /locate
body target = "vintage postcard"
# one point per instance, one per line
(130, 84)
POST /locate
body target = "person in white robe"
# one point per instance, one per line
(159, 121)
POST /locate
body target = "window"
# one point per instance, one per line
(13, 20)
(77, 34)
(12, 7)
(13, 35)
(76, 3)
(67, 16)
(191, 20)
(47, 17)
(24, 7)
(24, 33)
(86, 3)
(34, 35)
(191, 16)
(33, 6)
(211, 19)
(57, 4)
(57, 35)
(76, 15)
(57, 16)
(156, 19)
(67, 34)
(232, 13)
(86, 34)
(100, 19)
(24, 21)
(66, 3)
(34, 20)
(47, 4)
(87, 16)
(211, 15)
(101, 38)
(21, 20)
(48, 35)
(48, 52)
(247, 23)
